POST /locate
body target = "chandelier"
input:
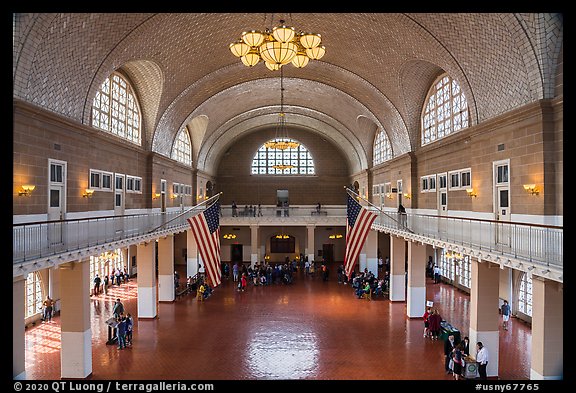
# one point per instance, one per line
(278, 47)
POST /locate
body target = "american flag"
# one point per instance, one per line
(358, 224)
(206, 229)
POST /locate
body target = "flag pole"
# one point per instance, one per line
(205, 202)
(352, 193)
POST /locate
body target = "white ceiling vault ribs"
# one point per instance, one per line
(386, 62)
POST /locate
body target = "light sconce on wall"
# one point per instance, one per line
(407, 196)
(88, 193)
(26, 190)
(531, 189)
(471, 193)
(336, 236)
(389, 195)
(229, 236)
(156, 196)
(173, 196)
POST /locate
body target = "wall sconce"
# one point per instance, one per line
(471, 193)
(173, 196)
(88, 193)
(407, 196)
(229, 236)
(156, 196)
(26, 190)
(337, 236)
(389, 195)
(530, 188)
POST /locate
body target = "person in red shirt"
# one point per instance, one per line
(426, 322)
(243, 282)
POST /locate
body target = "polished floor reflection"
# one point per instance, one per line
(308, 330)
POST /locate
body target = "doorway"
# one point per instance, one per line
(236, 253)
(328, 252)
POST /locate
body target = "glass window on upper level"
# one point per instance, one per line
(445, 111)
(116, 110)
(382, 148)
(289, 161)
(182, 149)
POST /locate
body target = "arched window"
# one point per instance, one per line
(182, 149)
(446, 110)
(298, 158)
(104, 263)
(115, 109)
(382, 148)
(34, 298)
(525, 295)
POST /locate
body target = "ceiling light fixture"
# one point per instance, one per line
(278, 47)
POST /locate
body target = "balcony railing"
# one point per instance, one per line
(47, 238)
(530, 242)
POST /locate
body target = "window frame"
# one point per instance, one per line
(265, 158)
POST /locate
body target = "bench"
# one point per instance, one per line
(319, 213)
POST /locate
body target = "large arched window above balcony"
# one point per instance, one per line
(445, 111)
(289, 161)
(116, 110)
(182, 149)
(382, 148)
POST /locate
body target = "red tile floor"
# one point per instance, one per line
(308, 330)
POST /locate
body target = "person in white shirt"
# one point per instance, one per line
(482, 359)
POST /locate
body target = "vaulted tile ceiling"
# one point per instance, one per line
(375, 75)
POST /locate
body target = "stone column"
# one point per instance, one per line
(76, 335)
(254, 237)
(547, 329)
(166, 269)
(370, 251)
(310, 246)
(397, 269)
(416, 293)
(147, 307)
(18, 340)
(191, 254)
(484, 315)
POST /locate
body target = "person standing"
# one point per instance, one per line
(118, 309)
(505, 310)
(234, 209)
(436, 274)
(97, 281)
(434, 324)
(449, 346)
(243, 282)
(482, 359)
(48, 305)
(235, 271)
(426, 321)
(121, 332)
(457, 359)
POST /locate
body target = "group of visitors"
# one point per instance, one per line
(117, 276)
(365, 283)
(124, 326)
(249, 210)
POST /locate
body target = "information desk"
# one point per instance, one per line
(112, 336)
(446, 329)
(469, 367)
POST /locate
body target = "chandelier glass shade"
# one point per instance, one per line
(278, 47)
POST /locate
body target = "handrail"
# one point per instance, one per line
(205, 202)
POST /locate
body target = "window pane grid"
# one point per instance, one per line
(114, 109)
(445, 112)
(265, 158)
(182, 150)
(382, 148)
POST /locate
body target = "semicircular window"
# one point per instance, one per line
(115, 109)
(446, 110)
(282, 160)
